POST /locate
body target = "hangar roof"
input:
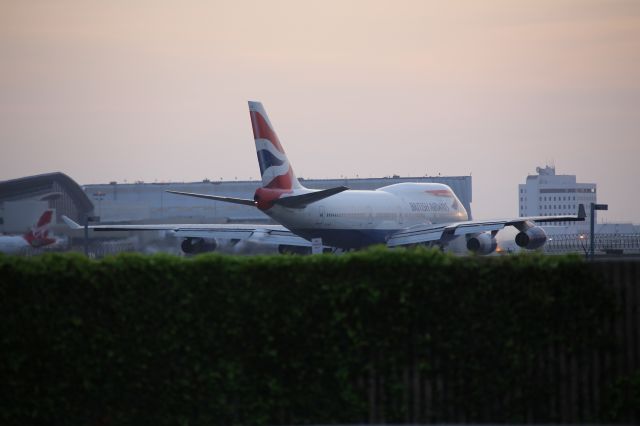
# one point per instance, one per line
(16, 189)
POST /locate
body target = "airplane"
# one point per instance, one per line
(402, 214)
(37, 237)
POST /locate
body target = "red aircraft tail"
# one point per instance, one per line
(39, 234)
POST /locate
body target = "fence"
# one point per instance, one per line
(596, 383)
(579, 243)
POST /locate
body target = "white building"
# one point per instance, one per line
(548, 194)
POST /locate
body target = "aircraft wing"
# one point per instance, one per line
(416, 235)
(268, 234)
(445, 232)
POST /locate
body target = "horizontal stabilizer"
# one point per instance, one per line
(242, 201)
(301, 201)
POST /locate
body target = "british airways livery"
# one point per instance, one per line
(37, 237)
(396, 215)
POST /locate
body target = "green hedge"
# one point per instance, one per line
(265, 340)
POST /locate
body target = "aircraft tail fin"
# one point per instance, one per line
(39, 234)
(275, 168)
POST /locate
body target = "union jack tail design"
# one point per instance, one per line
(275, 169)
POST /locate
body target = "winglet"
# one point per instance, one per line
(70, 223)
(581, 212)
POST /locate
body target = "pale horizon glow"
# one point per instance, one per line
(158, 91)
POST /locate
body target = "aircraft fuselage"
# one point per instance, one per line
(354, 219)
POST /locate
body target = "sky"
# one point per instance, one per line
(158, 90)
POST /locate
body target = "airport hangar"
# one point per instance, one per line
(149, 203)
(23, 200)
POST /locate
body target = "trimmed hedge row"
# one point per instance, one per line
(261, 340)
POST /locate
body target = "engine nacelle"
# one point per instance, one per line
(198, 245)
(531, 238)
(483, 243)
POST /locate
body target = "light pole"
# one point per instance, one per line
(594, 207)
(88, 219)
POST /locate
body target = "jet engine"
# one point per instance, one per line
(198, 245)
(531, 238)
(483, 243)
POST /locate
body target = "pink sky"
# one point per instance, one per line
(157, 90)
